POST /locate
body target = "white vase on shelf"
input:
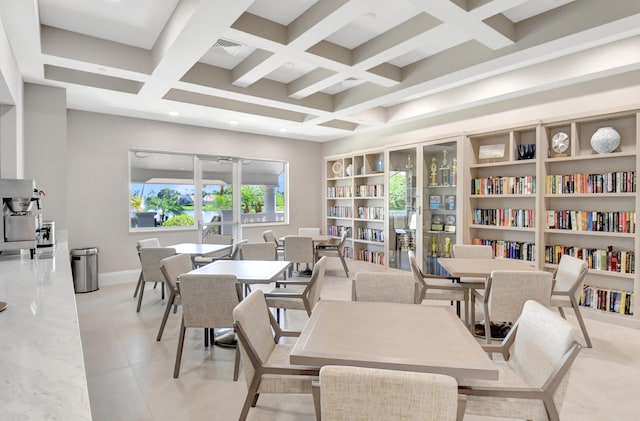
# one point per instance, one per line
(605, 140)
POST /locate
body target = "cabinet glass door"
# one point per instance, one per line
(440, 183)
(403, 206)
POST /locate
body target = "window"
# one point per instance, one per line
(169, 190)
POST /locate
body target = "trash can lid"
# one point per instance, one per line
(84, 251)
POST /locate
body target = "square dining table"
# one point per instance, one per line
(247, 271)
(198, 249)
(409, 337)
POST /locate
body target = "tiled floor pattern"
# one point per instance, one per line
(130, 375)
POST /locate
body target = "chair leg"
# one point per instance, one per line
(140, 281)
(561, 311)
(176, 370)
(236, 364)
(140, 296)
(344, 265)
(162, 289)
(576, 310)
(206, 337)
(167, 310)
(250, 400)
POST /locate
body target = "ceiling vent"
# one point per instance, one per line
(231, 48)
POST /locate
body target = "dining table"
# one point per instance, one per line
(200, 249)
(408, 337)
(472, 272)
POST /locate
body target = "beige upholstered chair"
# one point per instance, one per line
(372, 394)
(148, 242)
(269, 237)
(298, 249)
(385, 287)
(569, 281)
(336, 250)
(472, 251)
(308, 232)
(171, 268)
(434, 287)
(258, 251)
(265, 362)
(538, 354)
(205, 260)
(301, 297)
(150, 258)
(207, 302)
(506, 291)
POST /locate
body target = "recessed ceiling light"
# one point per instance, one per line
(173, 113)
(102, 69)
(289, 64)
(283, 129)
(233, 122)
(369, 16)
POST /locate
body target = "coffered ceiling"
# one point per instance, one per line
(315, 69)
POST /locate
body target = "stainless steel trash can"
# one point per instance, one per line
(84, 268)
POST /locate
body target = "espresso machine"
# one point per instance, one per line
(19, 218)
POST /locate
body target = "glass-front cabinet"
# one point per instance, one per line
(440, 218)
(404, 210)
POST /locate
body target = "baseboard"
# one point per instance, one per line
(121, 277)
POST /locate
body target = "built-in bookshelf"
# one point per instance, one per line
(355, 201)
(590, 204)
(502, 189)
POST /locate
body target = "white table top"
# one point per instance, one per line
(410, 337)
(471, 267)
(43, 375)
(247, 271)
(197, 249)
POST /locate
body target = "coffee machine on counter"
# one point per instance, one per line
(20, 221)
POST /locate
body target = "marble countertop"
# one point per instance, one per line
(41, 364)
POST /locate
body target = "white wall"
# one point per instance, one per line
(98, 190)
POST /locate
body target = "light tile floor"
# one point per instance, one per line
(130, 375)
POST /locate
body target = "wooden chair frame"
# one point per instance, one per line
(571, 294)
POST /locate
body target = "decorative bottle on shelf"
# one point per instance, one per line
(380, 165)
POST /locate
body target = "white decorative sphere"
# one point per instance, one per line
(605, 140)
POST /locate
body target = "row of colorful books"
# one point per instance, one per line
(584, 220)
(520, 250)
(610, 182)
(611, 300)
(339, 191)
(339, 211)
(371, 256)
(370, 190)
(371, 212)
(599, 259)
(370, 234)
(522, 218)
(337, 230)
(504, 185)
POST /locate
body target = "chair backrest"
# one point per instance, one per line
(385, 287)
(378, 395)
(269, 237)
(343, 240)
(308, 232)
(508, 290)
(298, 249)
(472, 251)
(150, 258)
(417, 275)
(225, 239)
(542, 339)
(252, 321)
(570, 275)
(148, 242)
(258, 251)
(208, 300)
(314, 286)
(236, 251)
(174, 266)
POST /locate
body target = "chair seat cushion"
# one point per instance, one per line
(529, 409)
(275, 383)
(444, 294)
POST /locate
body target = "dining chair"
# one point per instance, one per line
(269, 237)
(171, 268)
(207, 302)
(205, 260)
(472, 251)
(433, 287)
(334, 250)
(298, 297)
(385, 287)
(308, 232)
(299, 249)
(148, 242)
(265, 361)
(505, 293)
(347, 393)
(538, 355)
(569, 282)
(150, 258)
(258, 251)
